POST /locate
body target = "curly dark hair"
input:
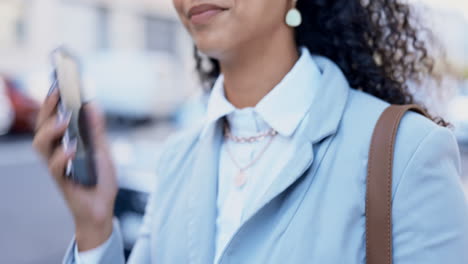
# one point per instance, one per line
(376, 43)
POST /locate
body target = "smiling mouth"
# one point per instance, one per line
(202, 14)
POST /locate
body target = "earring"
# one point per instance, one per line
(293, 17)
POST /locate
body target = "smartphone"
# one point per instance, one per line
(82, 169)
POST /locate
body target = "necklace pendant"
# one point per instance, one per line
(240, 180)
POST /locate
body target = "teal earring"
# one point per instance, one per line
(293, 17)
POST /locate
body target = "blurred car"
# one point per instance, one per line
(18, 110)
(6, 109)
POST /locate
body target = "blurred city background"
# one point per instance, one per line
(137, 59)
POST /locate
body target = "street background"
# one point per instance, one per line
(138, 59)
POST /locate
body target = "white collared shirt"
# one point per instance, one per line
(283, 110)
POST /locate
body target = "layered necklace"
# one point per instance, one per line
(241, 177)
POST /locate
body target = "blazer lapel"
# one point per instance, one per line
(202, 198)
(294, 169)
(316, 131)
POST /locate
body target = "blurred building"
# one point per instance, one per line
(29, 29)
(101, 32)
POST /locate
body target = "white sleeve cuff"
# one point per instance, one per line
(92, 256)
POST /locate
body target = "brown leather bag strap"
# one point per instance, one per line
(379, 185)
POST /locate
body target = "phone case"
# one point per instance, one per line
(82, 169)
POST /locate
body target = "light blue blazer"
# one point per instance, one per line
(314, 211)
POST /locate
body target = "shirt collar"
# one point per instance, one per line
(284, 107)
(218, 105)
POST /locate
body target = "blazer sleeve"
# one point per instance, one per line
(113, 252)
(430, 209)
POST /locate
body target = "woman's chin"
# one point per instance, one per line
(213, 45)
(210, 50)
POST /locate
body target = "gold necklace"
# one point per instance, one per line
(241, 178)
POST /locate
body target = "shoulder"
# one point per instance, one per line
(363, 111)
(173, 162)
(429, 204)
(415, 132)
(177, 148)
(175, 155)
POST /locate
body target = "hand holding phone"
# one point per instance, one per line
(82, 168)
(91, 200)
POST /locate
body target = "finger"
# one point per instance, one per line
(49, 105)
(52, 130)
(59, 162)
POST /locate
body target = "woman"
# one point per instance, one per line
(277, 172)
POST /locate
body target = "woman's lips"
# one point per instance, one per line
(202, 14)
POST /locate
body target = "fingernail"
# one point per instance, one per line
(63, 118)
(69, 169)
(53, 87)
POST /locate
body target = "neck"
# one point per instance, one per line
(258, 67)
